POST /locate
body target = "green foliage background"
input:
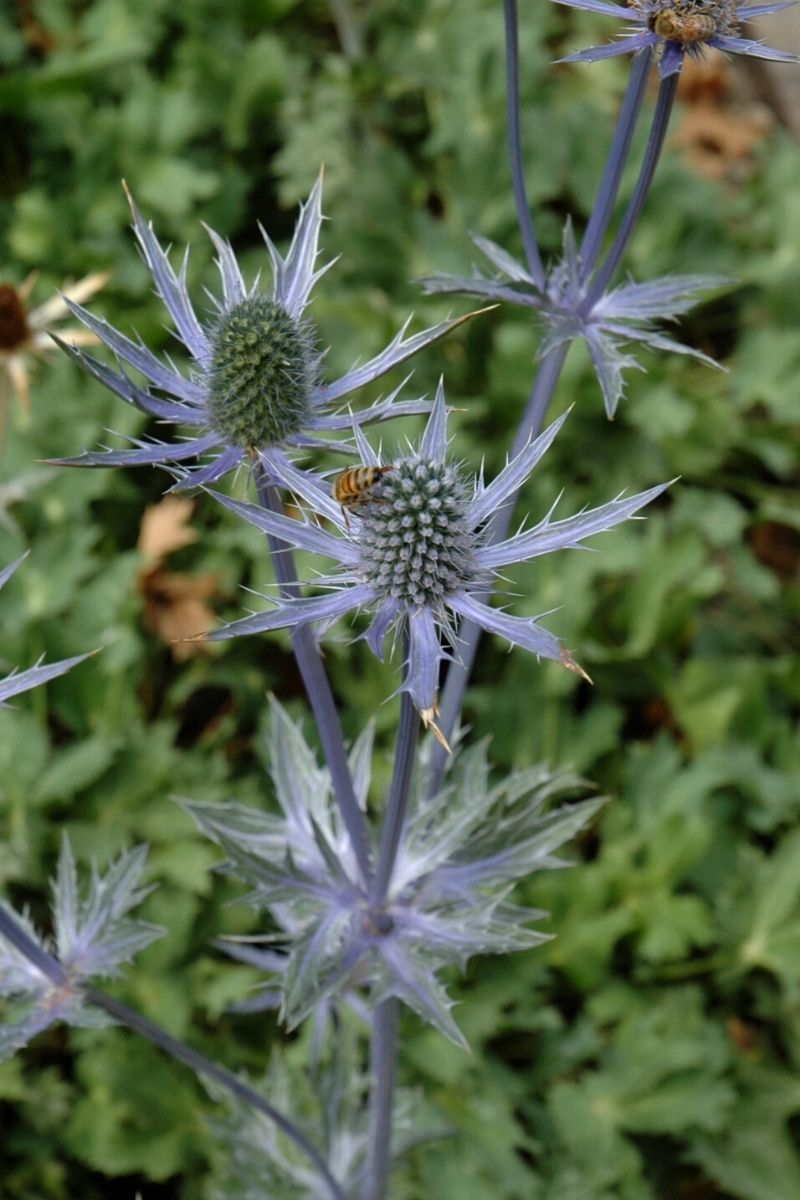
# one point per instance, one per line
(652, 1049)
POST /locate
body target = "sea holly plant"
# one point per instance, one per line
(333, 1100)
(92, 938)
(369, 904)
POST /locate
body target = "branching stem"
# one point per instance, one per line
(469, 634)
(50, 967)
(204, 1066)
(318, 689)
(524, 218)
(655, 143)
(550, 369)
(397, 806)
(615, 163)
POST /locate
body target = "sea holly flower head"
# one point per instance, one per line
(415, 556)
(23, 681)
(623, 315)
(93, 936)
(460, 854)
(255, 381)
(675, 28)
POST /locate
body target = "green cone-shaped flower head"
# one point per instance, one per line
(262, 374)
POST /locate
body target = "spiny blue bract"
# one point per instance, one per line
(262, 373)
(23, 681)
(415, 542)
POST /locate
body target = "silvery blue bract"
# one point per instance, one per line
(23, 681)
(621, 315)
(93, 938)
(460, 853)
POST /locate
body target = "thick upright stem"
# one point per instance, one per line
(469, 634)
(615, 163)
(397, 806)
(529, 241)
(384, 1073)
(655, 143)
(318, 689)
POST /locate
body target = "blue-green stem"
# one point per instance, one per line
(348, 30)
(550, 369)
(524, 217)
(20, 939)
(318, 689)
(655, 143)
(383, 1069)
(469, 634)
(397, 805)
(52, 969)
(384, 1022)
(203, 1066)
(608, 190)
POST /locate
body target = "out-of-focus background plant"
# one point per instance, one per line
(652, 1049)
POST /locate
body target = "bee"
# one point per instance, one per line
(685, 27)
(355, 487)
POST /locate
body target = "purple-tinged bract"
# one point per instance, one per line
(93, 935)
(622, 315)
(460, 853)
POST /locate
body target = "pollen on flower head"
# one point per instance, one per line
(262, 372)
(415, 542)
(14, 331)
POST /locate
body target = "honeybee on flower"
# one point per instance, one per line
(685, 27)
(354, 488)
(677, 28)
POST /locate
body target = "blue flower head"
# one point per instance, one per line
(255, 383)
(414, 555)
(675, 28)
